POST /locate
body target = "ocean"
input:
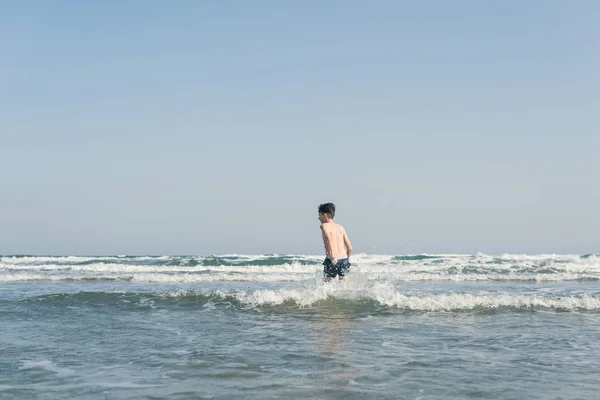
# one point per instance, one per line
(448, 326)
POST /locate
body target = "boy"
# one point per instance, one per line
(335, 239)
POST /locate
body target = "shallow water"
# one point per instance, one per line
(427, 326)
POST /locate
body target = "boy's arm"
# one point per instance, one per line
(347, 244)
(327, 244)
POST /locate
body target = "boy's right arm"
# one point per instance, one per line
(347, 244)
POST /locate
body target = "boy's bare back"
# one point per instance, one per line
(336, 242)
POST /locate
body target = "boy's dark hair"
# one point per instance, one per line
(327, 208)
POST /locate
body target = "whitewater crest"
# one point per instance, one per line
(337, 296)
(385, 294)
(296, 268)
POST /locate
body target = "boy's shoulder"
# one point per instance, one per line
(331, 226)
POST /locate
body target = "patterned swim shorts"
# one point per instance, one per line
(340, 268)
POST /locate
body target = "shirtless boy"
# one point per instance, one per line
(336, 242)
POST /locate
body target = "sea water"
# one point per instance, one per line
(268, 327)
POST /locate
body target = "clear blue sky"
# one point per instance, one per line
(196, 127)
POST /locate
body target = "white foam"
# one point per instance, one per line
(455, 267)
(127, 268)
(413, 277)
(68, 259)
(158, 278)
(37, 260)
(45, 365)
(386, 294)
(280, 275)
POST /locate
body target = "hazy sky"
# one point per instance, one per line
(200, 127)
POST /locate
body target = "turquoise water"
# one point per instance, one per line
(261, 327)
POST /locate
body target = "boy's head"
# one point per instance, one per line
(327, 209)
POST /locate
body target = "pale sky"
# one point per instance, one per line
(196, 127)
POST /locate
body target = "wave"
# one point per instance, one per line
(208, 261)
(232, 277)
(286, 268)
(290, 273)
(278, 259)
(157, 277)
(329, 296)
